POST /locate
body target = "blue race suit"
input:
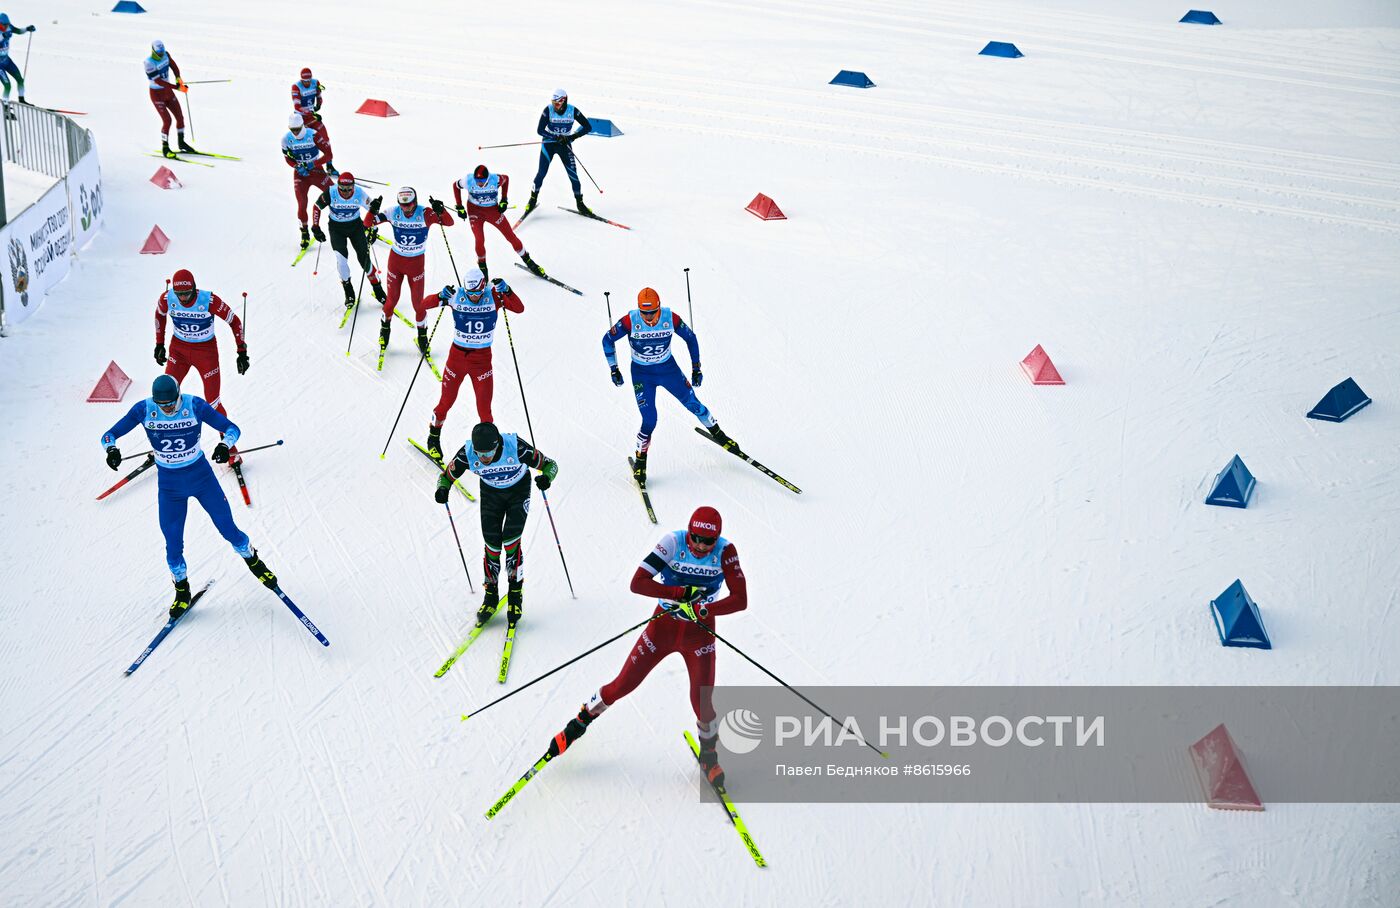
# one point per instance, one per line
(653, 366)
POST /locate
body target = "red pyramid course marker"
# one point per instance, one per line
(1220, 770)
(111, 387)
(165, 178)
(766, 208)
(374, 108)
(156, 243)
(1039, 368)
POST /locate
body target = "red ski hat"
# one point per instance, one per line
(346, 178)
(705, 523)
(481, 172)
(183, 281)
(306, 74)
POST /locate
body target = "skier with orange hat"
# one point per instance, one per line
(649, 329)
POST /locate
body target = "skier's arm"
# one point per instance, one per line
(162, 309)
(457, 191)
(581, 120)
(458, 466)
(321, 202)
(175, 68)
(505, 297)
(644, 582)
(323, 144)
(287, 154)
(542, 128)
(223, 310)
(533, 457)
(211, 417)
(738, 598)
(617, 331)
(129, 421)
(685, 333)
(431, 217)
(505, 186)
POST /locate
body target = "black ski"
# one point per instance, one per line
(555, 281)
(646, 496)
(165, 631)
(733, 448)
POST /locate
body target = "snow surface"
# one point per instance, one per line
(1201, 225)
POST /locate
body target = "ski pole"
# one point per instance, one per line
(689, 306)
(508, 145)
(460, 553)
(28, 43)
(422, 354)
(260, 447)
(585, 170)
(371, 182)
(607, 298)
(543, 494)
(799, 693)
(189, 107)
(205, 81)
(356, 316)
(316, 268)
(560, 667)
(142, 454)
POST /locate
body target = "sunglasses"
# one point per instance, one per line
(703, 540)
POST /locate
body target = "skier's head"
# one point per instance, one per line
(157, 47)
(408, 199)
(649, 302)
(561, 100)
(165, 391)
(306, 75)
(295, 123)
(481, 173)
(4, 22)
(346, 184)
(183, 285)
(474, 284)
(486, 441)
(704, 530)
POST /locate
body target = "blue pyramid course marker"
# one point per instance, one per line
(1200, 17)
(1233, 485)
(128, 6)
(605, 128)
(1339, 403)
(852, 78)
(1000, 49)
(1237, 619)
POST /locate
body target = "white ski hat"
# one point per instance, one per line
(158, 46)
(475, 280)
(560, 94)
(295, 121)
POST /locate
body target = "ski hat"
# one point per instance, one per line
(408, 196)
(182, 282)
(475, 282)
(157, 46)
(346, 178)
(165, 389)
(4, 20)
(480, 173)
(648, 300)
(295, 122)
(705, 523)
(486, 439)
(560, 94)
(306, 74)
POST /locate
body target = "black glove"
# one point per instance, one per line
(160, 354)
(318, 233)
(446, 293)
(461, 211)
(31, 28)
(567, 140)
(541, 482)
(242, 360)
(696, 376)
(220, 454)
(617, 376)
(503, 204)
(440, 495)
(114, 457)
(374, 205)
(439, 209)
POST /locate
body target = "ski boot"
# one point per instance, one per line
(261, 571)
(186, 147)
(349, 293)
(485, 272)
(423, 340)
(165, 150)
(378, 290)
(24, 100)
(709, 761)
(305, 234)
(384, 325)
(572, 732)
(639, 469)
(182, 599)
(515, 604)
(725, 441)
(582, 208)
(534, 269)
(435, 441)
(489, 604)
(530, 205)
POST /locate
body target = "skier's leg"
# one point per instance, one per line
(211, 497)
(478, 362)
(479, 235)
(173, 502)
(546, 154)
(674, 381)
(453, 372)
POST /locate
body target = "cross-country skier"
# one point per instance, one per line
(172, 422)
(159, 66)
(474, 309)
(7, 66)
(411, 223)
(307, 94)
(503, 463)
(486, 204)
(307, 150)
(649, 329)
(345, 202)
(684, 573)
(194, 345)
(557, 137)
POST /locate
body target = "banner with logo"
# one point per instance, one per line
(85, 198)
(37, 249)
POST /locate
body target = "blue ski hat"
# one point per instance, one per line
(165, 389)
(5, 20)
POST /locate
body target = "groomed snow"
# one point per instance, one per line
(1201, 226)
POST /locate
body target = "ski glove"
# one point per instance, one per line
(617, 376)
(374, 205)
(681, 608)
(446, 293)
(318, 233)
(443, 487)
(31, 29)
(242, 360)
(220, 454)
(696, 376)
(546, 475)
(499, 285)
(436, 204)
(461, 211)
(503, 204)
(114, 457)
(160, 354)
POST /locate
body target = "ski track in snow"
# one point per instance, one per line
(1200, 226)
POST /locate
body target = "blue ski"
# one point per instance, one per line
(165, 631)
(301, 616)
